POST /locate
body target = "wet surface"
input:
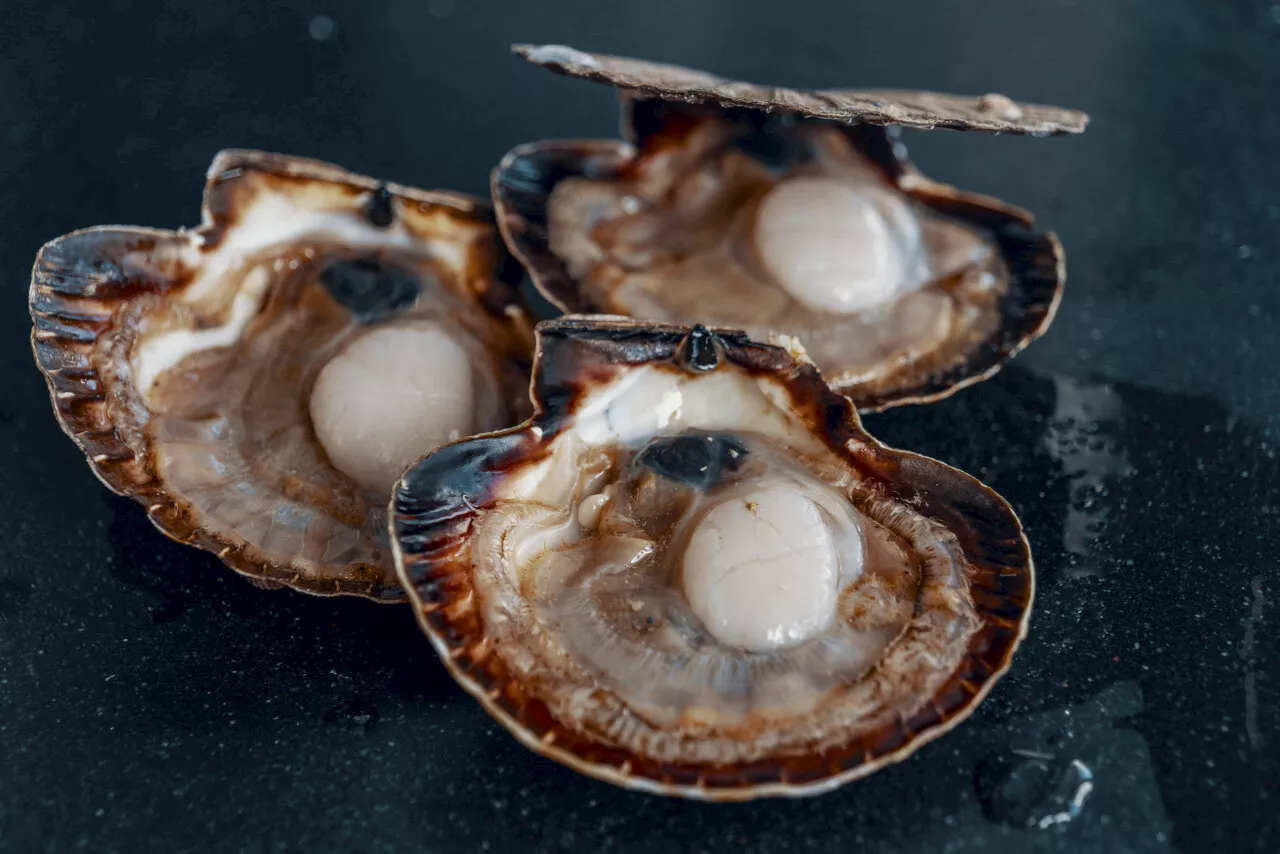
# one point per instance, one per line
(1156, 566)
(152, 700)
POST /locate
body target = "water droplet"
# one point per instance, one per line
(1032, 789)
(321, 28)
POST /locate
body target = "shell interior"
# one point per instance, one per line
(693, 573)
(249, 381)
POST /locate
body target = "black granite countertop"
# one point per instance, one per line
(151, 700)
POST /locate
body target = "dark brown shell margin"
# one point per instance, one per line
(925, 110)
(523, 181)
(80, 291)
(437, 500)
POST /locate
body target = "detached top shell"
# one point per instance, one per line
(186, 364)
(925, 110)
(791, 211)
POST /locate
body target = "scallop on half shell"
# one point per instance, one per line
(693, 573)
(259, 383)
(779, 210)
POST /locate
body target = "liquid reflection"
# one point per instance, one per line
(1153, 518)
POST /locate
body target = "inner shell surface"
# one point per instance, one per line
(278, 392)
(598, 587)
(785, 229)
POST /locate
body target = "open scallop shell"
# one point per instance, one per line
(665, 110)
(481, 582)
(182, 362)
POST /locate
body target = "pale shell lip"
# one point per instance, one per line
(83, 287)
(991, 113)
(434, 503)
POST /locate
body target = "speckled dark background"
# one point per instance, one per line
(152, 701)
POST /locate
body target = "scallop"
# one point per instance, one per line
(693, 573)
(777, 210)
(260, 382)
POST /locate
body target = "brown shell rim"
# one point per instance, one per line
(522, 181)
(915, 109)
(77, 394)
(438, 538)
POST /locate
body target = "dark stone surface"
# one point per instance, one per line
(152, 701)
